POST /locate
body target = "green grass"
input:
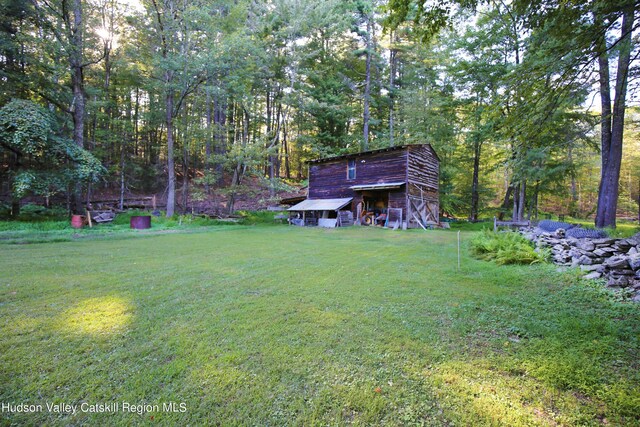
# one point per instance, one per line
(60, 230)
(471, 226)
(290, 326)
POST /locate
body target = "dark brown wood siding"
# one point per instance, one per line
(398, 199)
(416, 166)
(328, 180)
(423, 167)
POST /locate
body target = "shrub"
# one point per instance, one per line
(5, 210)
(505, 248)
(258, 217)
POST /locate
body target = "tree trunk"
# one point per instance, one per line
(171, 189)
(122, 181)
(475, 197)
(392, 75)
(285, 147)
(185, 165)
(220, 135)
(207, 147)
(135, 121)
(267, 169)
(573, 208)
(274, 145)
(185, 180)
(522, 198)
(367, 87)
(534, 204)
(505, 203)
(516, 194)
(240, 168)
(15, 202)
(77, 83)
(612, 123)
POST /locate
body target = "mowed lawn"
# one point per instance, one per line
(289, 326)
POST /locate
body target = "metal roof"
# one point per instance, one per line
(364, 153)
(321, 204)
(380, 186)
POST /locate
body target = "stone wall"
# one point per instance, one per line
(616, 260)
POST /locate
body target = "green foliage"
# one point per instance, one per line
(47, 164)
(39, 214)
(248, 77)
(505, 248)
(87, 168)
(257, 217)
(31, 213)
(25, 127)
(428, 18)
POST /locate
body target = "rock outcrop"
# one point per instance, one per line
(615, 260)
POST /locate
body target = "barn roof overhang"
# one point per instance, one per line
(321, 205)
(370, 152)
(377, 186)
(292, 200)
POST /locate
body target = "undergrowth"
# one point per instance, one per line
(505, 248)
(60, 230)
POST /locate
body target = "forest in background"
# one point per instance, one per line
(204, 102)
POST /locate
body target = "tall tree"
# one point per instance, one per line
(179, 66)
(612, 122)
(593, 34)
(65, 19)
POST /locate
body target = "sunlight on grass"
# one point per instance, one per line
(320, 318)
(478, 392)
(97, 316)
(215, 376)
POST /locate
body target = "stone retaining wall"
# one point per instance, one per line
(616, 260)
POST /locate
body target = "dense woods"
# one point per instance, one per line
(531, 106)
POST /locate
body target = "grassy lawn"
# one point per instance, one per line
(282, 325)
(59, 229)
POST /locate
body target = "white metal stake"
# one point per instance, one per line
(458, 250)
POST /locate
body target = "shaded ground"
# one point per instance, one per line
(282, 325)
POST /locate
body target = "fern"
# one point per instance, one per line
(505, 248)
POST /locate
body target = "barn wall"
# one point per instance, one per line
(329, 179)
(398, 199)
(416, 165)
(423, 166)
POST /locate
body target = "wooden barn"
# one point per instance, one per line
(397, 185)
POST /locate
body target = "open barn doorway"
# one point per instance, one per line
(374, 207)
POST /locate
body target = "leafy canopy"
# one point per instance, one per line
(46, 163)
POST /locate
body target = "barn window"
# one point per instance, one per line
(351, 169)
